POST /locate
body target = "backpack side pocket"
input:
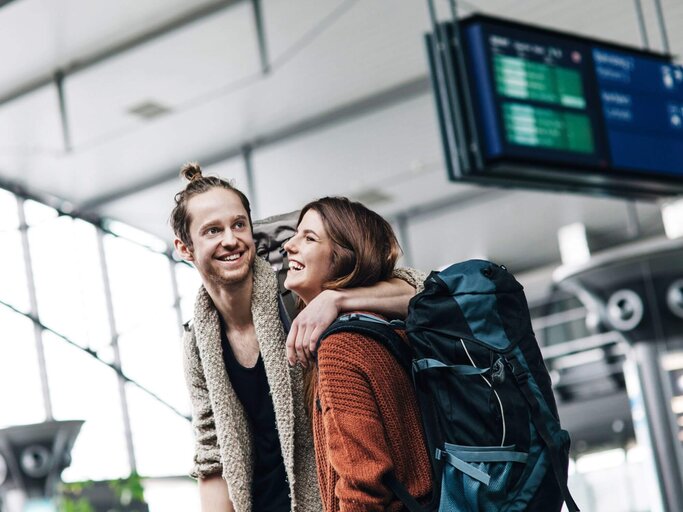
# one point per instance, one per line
(476, 477)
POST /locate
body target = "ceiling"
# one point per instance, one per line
(336, 101)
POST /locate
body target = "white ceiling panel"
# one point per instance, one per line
(30, 135)
(355, 56)
(27, 38)
(612, 20)
(348, 159)
(175, 71)
(39, 36)
(150, 209)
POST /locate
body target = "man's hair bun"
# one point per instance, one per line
(191, 171)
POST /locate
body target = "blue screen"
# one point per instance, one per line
(557, 99)
(642, 105)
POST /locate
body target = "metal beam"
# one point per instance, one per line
(261, 36)
(123, 395)
(66, 133)
(403, 234)
(117, 49)
(662, 26)
(642, 27)
(251, 186)
(386, 98)
(33, 302)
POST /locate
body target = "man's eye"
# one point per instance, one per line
(212, 231)
(240, 224)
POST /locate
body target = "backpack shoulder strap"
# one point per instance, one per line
(402, 493)
(545, 423)
(380, 330)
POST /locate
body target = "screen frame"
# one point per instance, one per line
(535, 173)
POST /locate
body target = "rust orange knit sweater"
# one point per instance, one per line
(367, 424)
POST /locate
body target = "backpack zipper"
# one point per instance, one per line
(500, 403)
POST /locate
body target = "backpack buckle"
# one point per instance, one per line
(498, 371)
(521, 374)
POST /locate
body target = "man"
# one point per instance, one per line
(251, 429)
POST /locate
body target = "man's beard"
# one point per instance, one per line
(228, 278)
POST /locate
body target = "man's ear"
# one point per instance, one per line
(183, 250)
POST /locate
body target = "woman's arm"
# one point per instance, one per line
(213, 495)
(389, 298)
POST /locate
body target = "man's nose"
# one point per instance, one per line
(228, 238)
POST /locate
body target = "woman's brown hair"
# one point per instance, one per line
(364, 252)
(198, 184)
(365, 248)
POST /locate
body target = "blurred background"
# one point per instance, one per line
(100, 105)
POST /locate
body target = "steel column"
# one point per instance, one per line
(117, 354)
(33, 301)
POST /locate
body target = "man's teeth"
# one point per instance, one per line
(232, 257)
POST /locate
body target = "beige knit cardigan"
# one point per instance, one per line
(223, 442)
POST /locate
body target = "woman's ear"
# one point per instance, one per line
(183, 250)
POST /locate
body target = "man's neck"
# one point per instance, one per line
(233, 302)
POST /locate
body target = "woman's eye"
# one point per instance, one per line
(310, 239)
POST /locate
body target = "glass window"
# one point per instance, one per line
(163, 440)
(21, 401)
(151, 354)
(149, 334)
(13, 289)
(84, 389)
(68, 279)
(38, 213)
(188, 284)
(140, 282)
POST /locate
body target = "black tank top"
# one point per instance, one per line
(270, 490)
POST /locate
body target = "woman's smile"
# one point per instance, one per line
(309, 253)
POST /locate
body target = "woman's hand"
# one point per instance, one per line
(309, 324)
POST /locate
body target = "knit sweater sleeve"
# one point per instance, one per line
(207, 458)
(413, 277)
(356, 439)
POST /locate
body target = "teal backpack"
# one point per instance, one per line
(485, 396)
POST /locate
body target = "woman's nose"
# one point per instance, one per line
(289, 245)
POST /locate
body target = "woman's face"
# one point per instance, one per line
(310, 257)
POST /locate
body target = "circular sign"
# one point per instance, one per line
(674, 298)
(35, 461)
(625, 310)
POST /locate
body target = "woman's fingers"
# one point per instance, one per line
(299, 345)
(291, 344)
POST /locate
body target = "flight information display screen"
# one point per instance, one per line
(642, 107)
(542, 97)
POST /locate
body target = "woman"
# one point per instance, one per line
(366, 422)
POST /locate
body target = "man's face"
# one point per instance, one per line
(222, 244)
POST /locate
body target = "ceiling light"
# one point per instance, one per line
(573, 241)
(371, 196)
(148, 110)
